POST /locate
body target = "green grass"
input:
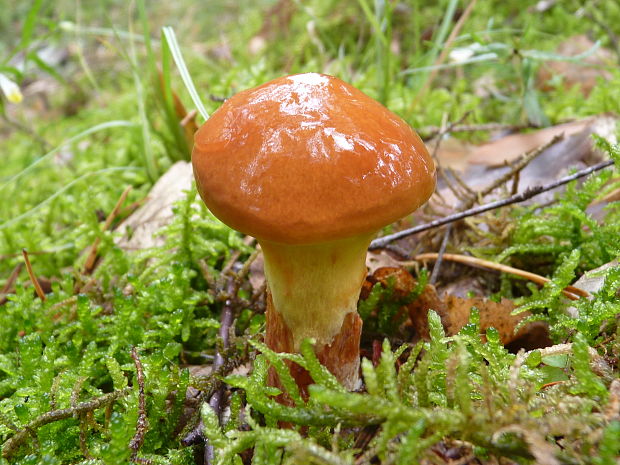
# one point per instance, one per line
(106, 122)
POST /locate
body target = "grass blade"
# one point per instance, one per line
(81, 135)
(187, 79)
(62, 190)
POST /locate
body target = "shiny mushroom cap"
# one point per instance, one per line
(308, 158)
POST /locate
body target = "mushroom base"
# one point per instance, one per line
(341, 357)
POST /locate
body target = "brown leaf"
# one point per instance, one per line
(499, 316)
(509, 148)
(460, 155)
(379, 259)
(139, 230)
(454, 311)
(485, 163)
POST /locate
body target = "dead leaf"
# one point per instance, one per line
(591, 281)
(460, 155)
(256, 276)
(379, 259)
(402, 285)
(584, 73)
(187, 119)
(499, 316)
(485, 163)
(454, 311)
(139, 230)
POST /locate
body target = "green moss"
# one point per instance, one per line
(165, 301)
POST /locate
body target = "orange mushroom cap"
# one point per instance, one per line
(308, 158)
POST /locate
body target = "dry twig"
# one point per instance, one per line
(92, 256)
(10, 282)
(521, 197)
(571, 292)
(142, 424)
(224, 332)
(33, 278)
(432, 131)
(11, 444)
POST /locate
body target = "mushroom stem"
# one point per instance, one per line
(314, 291)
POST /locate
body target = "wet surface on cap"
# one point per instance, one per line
(308, 158)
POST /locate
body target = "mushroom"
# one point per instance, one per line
(313, 168)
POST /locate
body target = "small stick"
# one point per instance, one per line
(10, 282)
(432, 131)
(33, 278)
(224, 332)
(188, 117)
(558, 349)
(11, 444)
(442, 251)
(247, 240)
(521, 163)
(521, 197)
(142, 425)
(92, 256)
(571, 292)
(446, 130)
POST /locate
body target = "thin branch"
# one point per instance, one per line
(517, 166)
(33, 278)
(562, 349)
(224, 333)
(446, 129)
(142, 425)
(219, 362)
(92, 256)
(11, 444)
(432, 131)
(10, 282)
(440, 255)
(521, 197)
(571, 292)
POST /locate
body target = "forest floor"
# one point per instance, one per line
(133, 320)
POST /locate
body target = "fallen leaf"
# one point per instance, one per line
(591, 281)
(256, 275)
(454, 311)
(139, 230)
(486, 163)
(509, 148)
(379, 259)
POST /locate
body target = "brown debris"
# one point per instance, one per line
(139, 231)
(33, 279)
(454, 311)
(142, 425)
(341, 357)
